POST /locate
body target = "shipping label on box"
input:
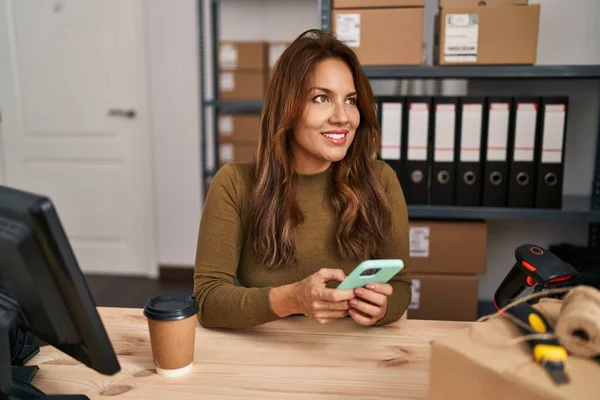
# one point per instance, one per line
(275, 51)
(348, 28)
(461, 37)
(416, 295)
(226, 152)
(225, 125)
(419, 241)
(227, 82)
(228, 56)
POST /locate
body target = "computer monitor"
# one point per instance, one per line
(43, 293)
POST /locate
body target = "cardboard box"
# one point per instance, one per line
(237, 152)
(444, 297)
(448, 247)
(239, 128)
(377, 3)
(479, 35)
(242, 85)
(391, 36)
(275, 51)
(469, 365)
(481, 3)
(243, 55)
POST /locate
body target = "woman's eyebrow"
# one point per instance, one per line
(328, 91)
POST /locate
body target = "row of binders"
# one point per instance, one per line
(476, 151)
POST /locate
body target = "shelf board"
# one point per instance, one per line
(575, 208)
(238, 106)
(484, 72)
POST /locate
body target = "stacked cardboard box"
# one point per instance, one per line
(487, 32)
(238, 137)
(446, 259)
(242, 70)
(275, 51)
(243, 74)
(382, 32)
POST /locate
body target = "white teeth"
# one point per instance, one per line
(335, 136)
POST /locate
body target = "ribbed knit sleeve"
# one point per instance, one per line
(222, 303)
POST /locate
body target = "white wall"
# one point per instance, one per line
(174, 66)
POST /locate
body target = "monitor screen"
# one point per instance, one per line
(42, 289)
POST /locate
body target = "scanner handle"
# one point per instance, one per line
(513, 284)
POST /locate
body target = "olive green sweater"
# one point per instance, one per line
(231, 287)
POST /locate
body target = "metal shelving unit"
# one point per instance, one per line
(575, 208)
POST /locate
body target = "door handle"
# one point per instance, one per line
(117, 112)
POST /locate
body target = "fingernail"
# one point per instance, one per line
(359, 291)
(353, 302)
(351, 311)
(372, 287)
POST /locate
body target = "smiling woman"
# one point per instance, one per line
(314, 204)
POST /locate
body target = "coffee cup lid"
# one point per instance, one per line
(171, 307)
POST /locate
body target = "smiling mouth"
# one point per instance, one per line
(337, 138)
(334, 136)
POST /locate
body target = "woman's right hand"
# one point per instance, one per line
(316, 301)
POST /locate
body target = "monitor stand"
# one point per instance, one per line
(15, 380)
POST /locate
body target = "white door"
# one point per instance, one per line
(73, 100)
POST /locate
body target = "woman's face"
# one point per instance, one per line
(328, 124)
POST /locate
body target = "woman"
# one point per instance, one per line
(314, 204)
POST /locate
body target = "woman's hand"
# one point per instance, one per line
(316, 301)
(370, 304)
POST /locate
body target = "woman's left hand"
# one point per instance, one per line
(370, 304)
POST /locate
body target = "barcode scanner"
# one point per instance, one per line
(534, 267)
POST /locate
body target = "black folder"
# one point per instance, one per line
(522, 152)
(469, 155)
(390, 112)
(495, 167)
(443, 173)
(416, 168)
(550, 162)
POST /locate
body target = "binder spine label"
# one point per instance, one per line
(497, 132)
(391, 123)
(554, 124)
(445, 115)
(470, 146)
(525, 132)
(418, 126)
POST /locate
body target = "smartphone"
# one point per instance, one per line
(372, 271)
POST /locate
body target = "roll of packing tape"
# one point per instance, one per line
(578, 326)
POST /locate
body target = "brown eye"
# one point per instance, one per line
(320, 98)
(352, 101)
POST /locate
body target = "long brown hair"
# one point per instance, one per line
(359, 199)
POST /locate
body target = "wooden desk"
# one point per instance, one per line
(295, 358)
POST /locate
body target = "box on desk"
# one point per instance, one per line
(445, 247)
(382, 36)
(444, 297)
(469, 34)
(469, 365)
(239, 128)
